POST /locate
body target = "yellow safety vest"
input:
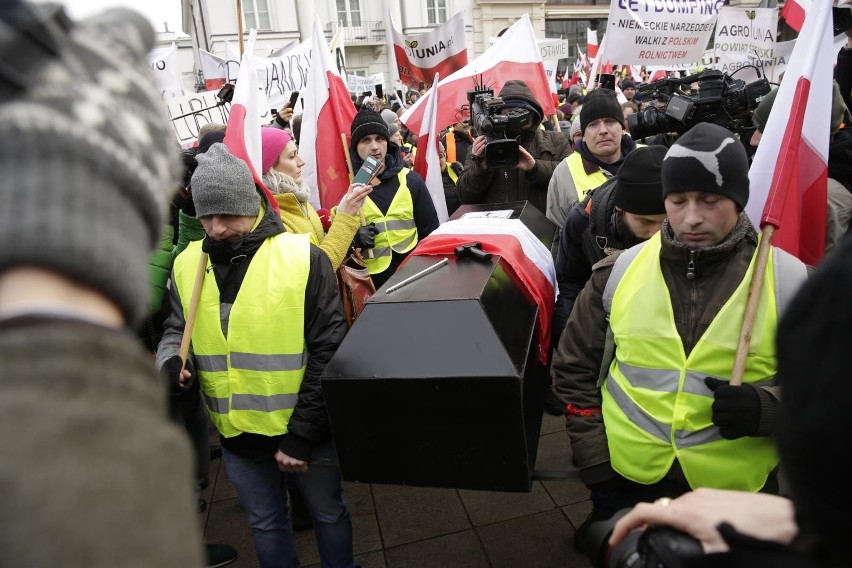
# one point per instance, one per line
(655, 406)
(453, 175)
(583, 182)
(250, 379)
(398, 232)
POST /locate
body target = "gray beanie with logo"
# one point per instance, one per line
(222, 185)
(88, 159)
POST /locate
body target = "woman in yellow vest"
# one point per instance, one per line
(644, 361)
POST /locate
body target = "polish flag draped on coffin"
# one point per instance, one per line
(530, 262)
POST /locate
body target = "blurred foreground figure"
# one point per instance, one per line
(93, 473)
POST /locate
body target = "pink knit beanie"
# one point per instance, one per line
(273, 141)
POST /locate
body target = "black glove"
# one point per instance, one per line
(171, 370)
(735, 410)
(366, 236)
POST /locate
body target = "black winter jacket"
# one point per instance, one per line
(325, 328)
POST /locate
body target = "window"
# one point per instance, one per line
(349, 13)
(256, 14)
(436, 10)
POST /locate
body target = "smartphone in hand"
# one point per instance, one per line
(370, 169)
(294, 96)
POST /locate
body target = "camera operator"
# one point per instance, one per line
(596, 157)
(540, 152)
(644, 361)
(812, 529)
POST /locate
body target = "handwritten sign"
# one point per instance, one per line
(188, 114)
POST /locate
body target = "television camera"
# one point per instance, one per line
(500, 129)
(719, 99)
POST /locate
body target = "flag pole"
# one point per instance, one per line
(193, 309)
(755, 288)
(240, 24)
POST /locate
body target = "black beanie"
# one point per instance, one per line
(707, 158)
(600, 103)
(638, 188)
(367, 122)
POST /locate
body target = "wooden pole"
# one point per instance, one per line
(240, 24)
(751, 305)
(555, 121)
(351, 176)
(193, 309)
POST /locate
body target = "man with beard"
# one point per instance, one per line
(540, 152)
(626, 210)
(596, 157)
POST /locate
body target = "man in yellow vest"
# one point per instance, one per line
(399, 211)
(269, 319)
(596, 158)
(644, 361)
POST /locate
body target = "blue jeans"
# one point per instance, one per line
(262, 489)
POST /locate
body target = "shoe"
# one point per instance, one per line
(581, 535)
(219, 555)
(552, 404)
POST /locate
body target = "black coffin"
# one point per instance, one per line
(438, 383)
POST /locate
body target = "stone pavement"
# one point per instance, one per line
(410, 527)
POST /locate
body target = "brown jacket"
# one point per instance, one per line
(695, 302)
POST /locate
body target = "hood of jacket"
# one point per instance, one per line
(518, 90)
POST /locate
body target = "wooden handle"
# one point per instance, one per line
(193, 309)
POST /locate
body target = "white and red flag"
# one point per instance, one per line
(242, 136)
(214, 69)
(790, 168)
(515, 55)
(328, 110)
(592, 43)
(441, 50)
(794, 12)
(426, 161)
(530, 262)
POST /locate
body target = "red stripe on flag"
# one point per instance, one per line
(411, 75)
(335, 116)
(797, 197)
(523, 271)
(794, 14)
(454, 93)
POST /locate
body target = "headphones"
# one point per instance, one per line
(615, 223)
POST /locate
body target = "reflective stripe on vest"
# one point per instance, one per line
(583, 182)
(452, 173)
(250, 379)
(654, 397)
(398, 231)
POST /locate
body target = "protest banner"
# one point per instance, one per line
(652, 32)
(189, 113)
(165, 66)
(357, 84)
(441, 50)
(745, 37)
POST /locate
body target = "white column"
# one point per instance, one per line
(305, 18)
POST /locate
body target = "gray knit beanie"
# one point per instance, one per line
(88, 160)
(222, 185)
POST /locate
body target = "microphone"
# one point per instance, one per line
(325, 216)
